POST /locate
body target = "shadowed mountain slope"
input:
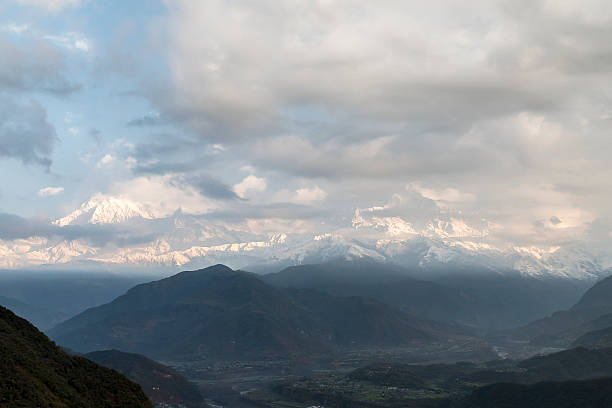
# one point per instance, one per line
(217, 313)
(482, 299)
(162, 384)
(387, 283)
(593, 312)
(34, 372)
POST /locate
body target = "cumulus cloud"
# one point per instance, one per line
(487, 110)
(250, 183)
(50, 191)
(488, 115)
(398, 61)
(309, 195)
(106, 160)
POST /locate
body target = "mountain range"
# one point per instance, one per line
(472, 297)
(192, 241)
(220, 321)
(221, 314)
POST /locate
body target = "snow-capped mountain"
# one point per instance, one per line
(428, 254)
(190, 241)
(102, 209)
(567, 262)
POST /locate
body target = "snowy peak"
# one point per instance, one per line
(102, 209)
(328, 247)
(452, 228)
(187, 239)
(566, 262)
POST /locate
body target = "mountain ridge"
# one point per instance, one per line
(193, 241)
(219, 313)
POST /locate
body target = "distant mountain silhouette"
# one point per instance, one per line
(595, 339)
(481, 299)
(162, 384)
(34, 372)
(358, 320)
(593, 312)
(218, 313)
(50, 297)
(597, 297)
(385, 282)
(38, 316)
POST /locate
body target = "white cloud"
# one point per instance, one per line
(309, 195)
(71, 41)
(50, 191)
(448, 194)
(105, 161)
(250, 183)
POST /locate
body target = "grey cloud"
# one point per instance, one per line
(287, 211)
(16, 227)
(173, 154)
(213, 188)
(504, 102)
(25, 132)
(376, 158)
(410, 65)
(147, 120)
(34, 66)
(162, 168)
(151, 150)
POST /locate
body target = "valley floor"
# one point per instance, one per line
(247, 383)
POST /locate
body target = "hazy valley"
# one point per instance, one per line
(363, 329)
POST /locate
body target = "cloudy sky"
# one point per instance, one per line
(303, 117)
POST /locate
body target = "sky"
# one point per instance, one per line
(260, 118)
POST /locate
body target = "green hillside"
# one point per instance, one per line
(34, 372)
